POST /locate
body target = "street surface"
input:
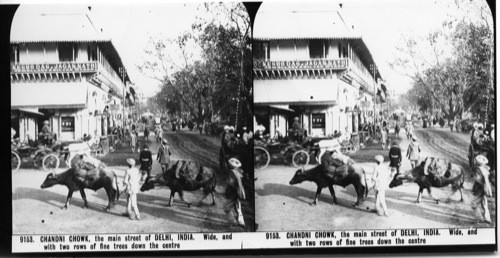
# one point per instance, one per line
(281, 206)
(38, 211)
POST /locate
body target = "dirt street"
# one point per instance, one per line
(38, 211)
(281, 206)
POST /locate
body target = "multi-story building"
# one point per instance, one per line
(314, 66)
(64, 70)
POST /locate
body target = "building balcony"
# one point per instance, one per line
(64, 71)
(311, 68)
(93, 71)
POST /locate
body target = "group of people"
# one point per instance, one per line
(135, 176)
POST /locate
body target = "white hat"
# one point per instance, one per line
(165, 141)
(131, 161)
(231, 128)
(226, 128)
(475, 124)
(235, 163)
(414, 137)
(379, 158)
(481, 160)
(46, 122)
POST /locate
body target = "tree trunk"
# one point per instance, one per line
(240, 86)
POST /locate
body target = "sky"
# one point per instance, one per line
(381, 24)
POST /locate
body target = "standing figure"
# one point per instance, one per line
(296, 129)
(133, 140)
(395, 156)
(46, 132)
(413, 153)
(132, 182)
(481, 189)
(396, 130)
(247, 135)
(146, 134)
(383, 133)
(381, 178)
(146, 159)
(164, 155)
(174, 126)
(492, 132)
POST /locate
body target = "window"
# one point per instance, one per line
(67, 51)
(14, 54)
(318, 48)
(318, 121)
(261, 50)
(67, 124)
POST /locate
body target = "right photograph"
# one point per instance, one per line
(374, 115)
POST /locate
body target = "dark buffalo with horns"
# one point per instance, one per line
(192, 177)
(76, 179)
(355, 175)
(453, 175)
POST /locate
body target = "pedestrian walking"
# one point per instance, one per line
(164, 155)
(383, 134)
(132, 183)
(481, 189)
(396, 130)
(146, 159)
(413, 153)
(146, 134)
(395, 156)
(381, 178)
(133, 140)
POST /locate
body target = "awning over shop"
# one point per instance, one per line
(48, 95)
(31, 111)
(296, 92)
(282, 107)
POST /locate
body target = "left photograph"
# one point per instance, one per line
(131, 118)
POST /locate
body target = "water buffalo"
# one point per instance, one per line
(355, 176)
(455, 177)
(192, 177)
(77, 179)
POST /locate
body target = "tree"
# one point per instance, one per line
(204, 71)
(452, 63)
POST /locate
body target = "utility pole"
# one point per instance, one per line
(372, 67)
(122, 72)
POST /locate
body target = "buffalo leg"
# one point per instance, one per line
(181, 194)
(70, 194)
(109, 193)
(332, 192)
(213, 198)
(420, 190)
(318, 192)
(172, 194)
(84, 197)
(360, 191)
(430, 194)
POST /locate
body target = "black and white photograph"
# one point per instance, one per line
(261, 127)
(131, 118)
(374, 115)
